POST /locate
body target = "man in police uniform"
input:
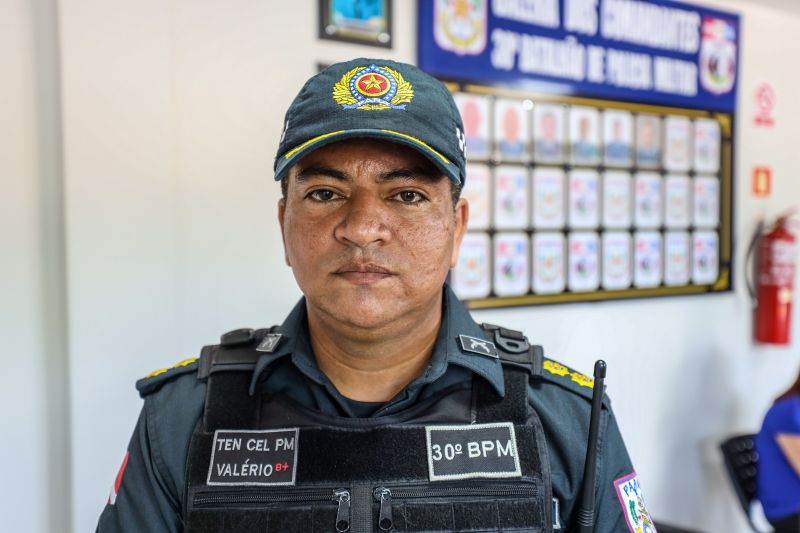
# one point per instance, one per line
(378, 404)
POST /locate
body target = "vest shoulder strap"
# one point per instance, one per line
(228, 369)
(511, 407)
(514, 349)
(239, 349)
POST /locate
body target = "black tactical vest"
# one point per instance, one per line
(464, 460)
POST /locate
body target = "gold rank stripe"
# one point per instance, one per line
(160, 371)
(560, 370)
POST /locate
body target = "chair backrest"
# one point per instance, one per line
(741, 461)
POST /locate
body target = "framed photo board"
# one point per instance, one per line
(356, 21)
(624, 135)
(582, 200)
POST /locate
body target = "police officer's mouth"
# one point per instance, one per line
(363, 273)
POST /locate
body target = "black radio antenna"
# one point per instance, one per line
(586, 511)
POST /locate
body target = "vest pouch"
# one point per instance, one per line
(271, 510)
(484, 506)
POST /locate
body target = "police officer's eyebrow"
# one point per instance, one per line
(411, 173)
(321, 170)
(407, 174)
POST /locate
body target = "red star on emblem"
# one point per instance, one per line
(373, 84)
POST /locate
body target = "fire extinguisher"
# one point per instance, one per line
(774, 280)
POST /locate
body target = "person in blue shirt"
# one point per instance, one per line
(778, 447)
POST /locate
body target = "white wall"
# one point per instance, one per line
(171, 114)
(34, 454)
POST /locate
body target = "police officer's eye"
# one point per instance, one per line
(409, 197)
(322, 195)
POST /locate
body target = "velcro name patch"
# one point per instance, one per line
(257, 457)
(472, 451)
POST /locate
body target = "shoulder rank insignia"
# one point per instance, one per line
(153, 381)
(372, 88)
(185, 362)
(560, 370)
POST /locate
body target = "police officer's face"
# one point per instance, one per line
(370, 231)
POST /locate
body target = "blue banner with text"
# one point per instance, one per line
(653, 51)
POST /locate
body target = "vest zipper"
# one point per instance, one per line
(384, 496)
(343, 512)
(341, 496)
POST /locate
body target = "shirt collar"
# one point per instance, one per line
(459, 322)
(456, 321)
(291, 329)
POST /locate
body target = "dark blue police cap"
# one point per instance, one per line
(375, 98)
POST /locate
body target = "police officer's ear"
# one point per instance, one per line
(281, 212)
(461, 219)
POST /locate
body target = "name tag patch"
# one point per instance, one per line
(258, 457)
(472, 451)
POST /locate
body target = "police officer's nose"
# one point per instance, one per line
(364, 220)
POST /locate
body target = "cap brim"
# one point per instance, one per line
(287, 160)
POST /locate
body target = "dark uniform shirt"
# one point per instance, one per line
(148, 494)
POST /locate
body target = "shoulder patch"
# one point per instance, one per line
(153, 381)
(568, 378)
(629, 492)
